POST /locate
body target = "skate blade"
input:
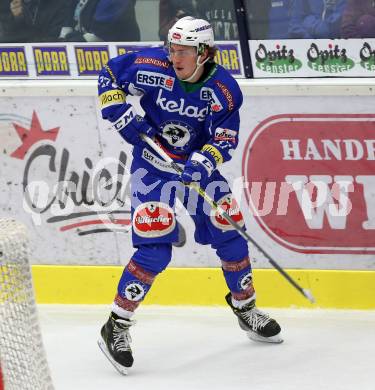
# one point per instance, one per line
(121, 369)
(256, 337)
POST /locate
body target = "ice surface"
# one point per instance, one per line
(203, 348)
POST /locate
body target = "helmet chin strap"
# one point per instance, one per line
(198, 66)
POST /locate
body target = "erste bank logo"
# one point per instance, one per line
(155, 79)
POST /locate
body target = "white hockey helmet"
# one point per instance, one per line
(190, 31)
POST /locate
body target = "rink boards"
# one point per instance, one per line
(307, 150)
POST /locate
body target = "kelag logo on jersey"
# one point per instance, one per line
(181, 107)
(208, 94)
(155, 80)
(331, 60)
(281, 60)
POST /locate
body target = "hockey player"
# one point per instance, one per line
(192, 112)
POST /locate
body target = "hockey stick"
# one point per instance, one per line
(195, 186)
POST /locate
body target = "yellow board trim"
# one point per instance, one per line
(206, 286)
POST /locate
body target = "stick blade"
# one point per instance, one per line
(308, 295)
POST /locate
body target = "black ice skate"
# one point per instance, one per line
(258, 325)
(115, 342)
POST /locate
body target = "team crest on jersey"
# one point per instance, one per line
(153, 219)
(177, 134)
(245, 280)
(208, 94)
(134, 291)
(230, 205)
(155, 80)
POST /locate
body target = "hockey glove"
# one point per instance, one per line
(198, 168)
(130, 125)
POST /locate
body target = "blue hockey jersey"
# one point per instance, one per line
(187, 116)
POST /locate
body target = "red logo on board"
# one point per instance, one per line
(32, 135)
(311, 182)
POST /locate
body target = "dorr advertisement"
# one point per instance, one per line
(85, 60)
